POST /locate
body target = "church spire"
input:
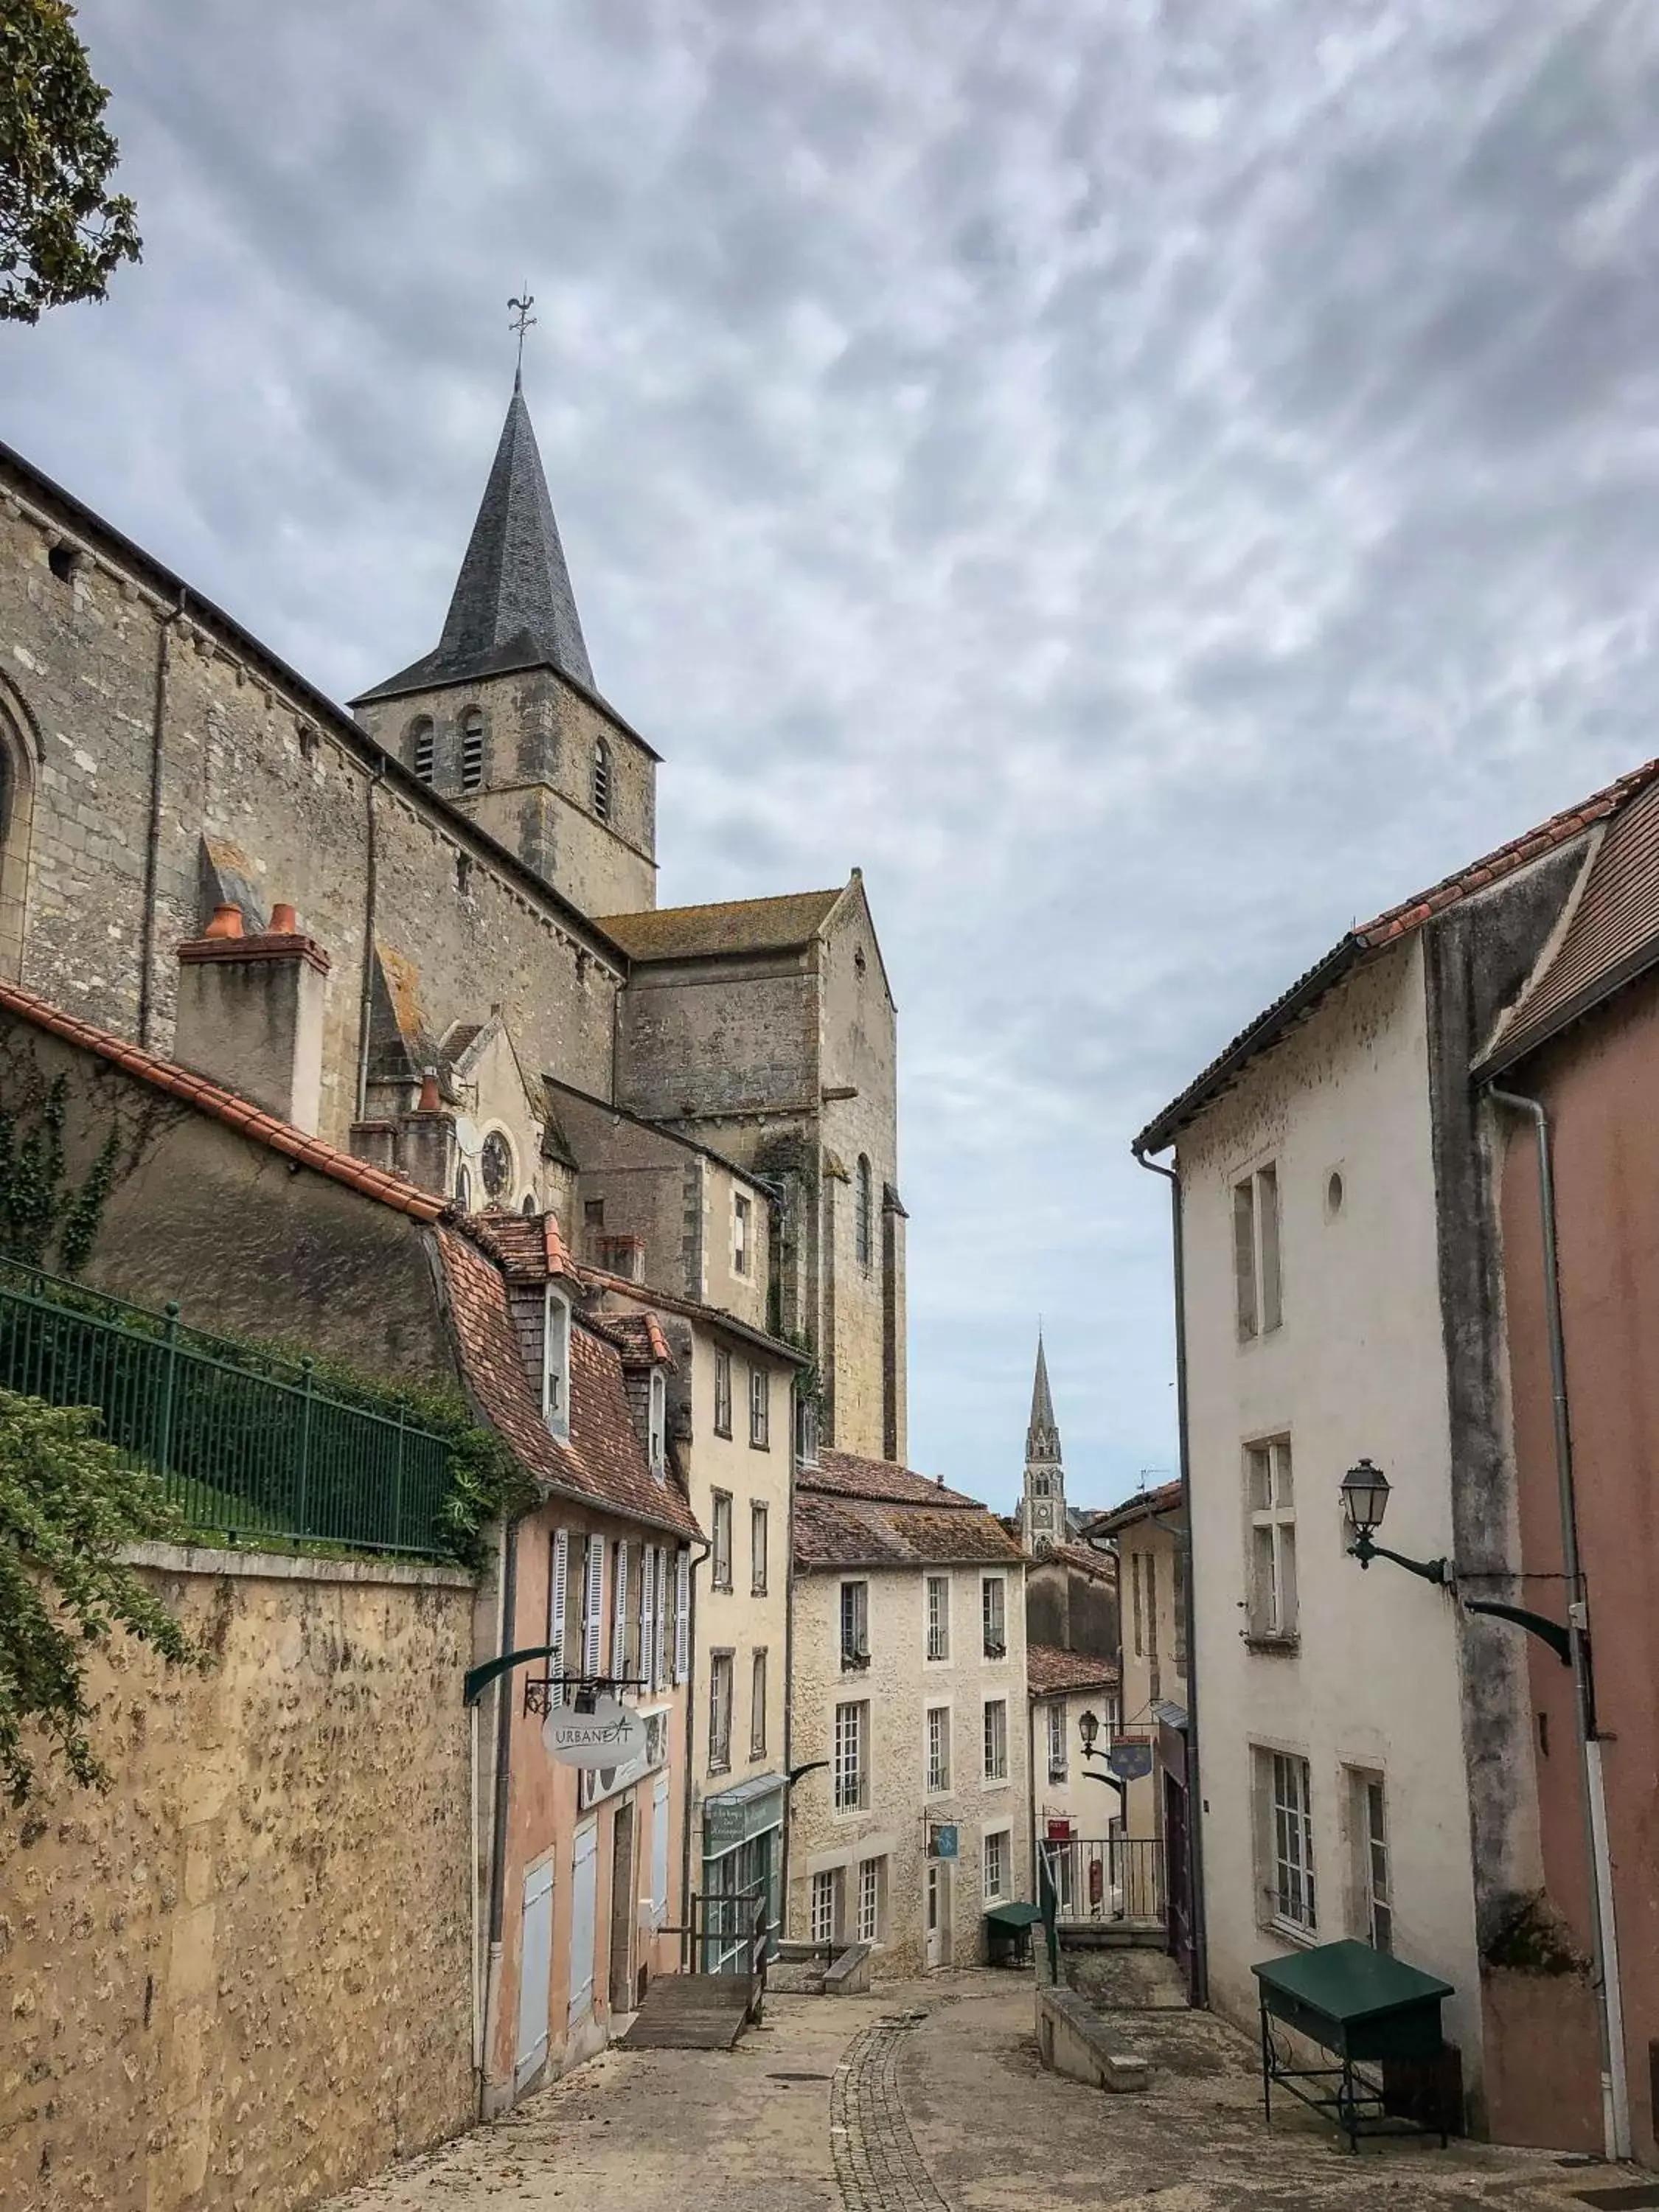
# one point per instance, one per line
(1042, 1431)
(513, 605)
(1042, 1507)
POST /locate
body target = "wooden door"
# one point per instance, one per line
(584, 1883)
(535, 1972)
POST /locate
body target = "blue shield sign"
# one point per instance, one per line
(942, 1842)
(1130, 1759)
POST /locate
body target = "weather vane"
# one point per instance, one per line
(519, 319)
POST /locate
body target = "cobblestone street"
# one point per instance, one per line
(928, 2097)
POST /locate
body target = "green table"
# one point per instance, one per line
(1364, 2008)
(1008, 1933)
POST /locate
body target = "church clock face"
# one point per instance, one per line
(1042, 1515)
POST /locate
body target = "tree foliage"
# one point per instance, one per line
(62, 234)
(68, 1505)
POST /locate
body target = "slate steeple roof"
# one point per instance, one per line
(513, 605)
(1043, 1433)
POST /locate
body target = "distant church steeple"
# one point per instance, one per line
(513, 605)
(1042, 1507)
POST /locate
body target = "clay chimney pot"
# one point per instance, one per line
(284, 922)
(226, 922)
(429, 1094)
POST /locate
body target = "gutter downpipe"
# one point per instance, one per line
(697, 1559)
(1609, 1996)
(498, 1825)
(1200, 1989)
(152, 830)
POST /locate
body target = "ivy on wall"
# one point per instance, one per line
(44, 1219)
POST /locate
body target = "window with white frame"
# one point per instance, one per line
(757, 1706)
(855, 1624)
(993, 1603)
(760, 1409)
(657, 1425)
(826, 1905)
(1285, 1844)
(721, 1568)
(997, 1857)
(719, 1712)
(1374, 1884)
(742, 1232)
(939, 1749)
(939, 1616)
(555, 1362)
(851, 1774)
(759, 1520)
(806, 1429)
(722, 1394)
(996, 1740)
(1272, 1607)
(1256, 1252)
(872, 1880)
(1136, 1561)
(1059, 1765)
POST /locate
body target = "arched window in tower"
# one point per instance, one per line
(863, 1239)
(472, 760)
(602, 779)
(424, 747)
(16, 807)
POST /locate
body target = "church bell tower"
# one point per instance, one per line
(1042, 1507)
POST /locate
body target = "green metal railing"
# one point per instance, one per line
(249, 1445)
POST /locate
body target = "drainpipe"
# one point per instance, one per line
(498, 1830)
(1609, 1996)
(697, 1559)
(1200, 1989)
(371, 891)
(153, 832)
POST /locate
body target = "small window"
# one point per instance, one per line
(719, 1712)
(464, 1190)
(741, 1209)
(939, 1616)
(851, 1772)
(1284, 1842)
(722, 1556)
(939, 1749)
(806, 1431)
(826, 1905)
(496, 1166)
(855, 1624)
(657, 1425)
(993, 1606)
(464, 874)
(863, 1239)
(758, 1518)
(996, 1740)
(860, 962)
(996, 1865)
(1255, 1254)
(1272, 1500)
(1334, 1193)
(594, 1213)
(424, 748)
(556, 1364)
(472, 750)
(871, 1881)
(722, 1394)
(1374, 1888)
(1059, 1760)
(760, 1409)
(757, 1706)
(63, 560)
(528, 1205)
(602, 779)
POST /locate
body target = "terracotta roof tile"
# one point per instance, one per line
(604, 1461)
(699, 932)
(846, 1527)
(846, 1475)
(641, 1295)
(640, 1338)
(527, 1247)
(1099, 1566)
(1050, 1672)
(1165, 1500)
(225, 1106)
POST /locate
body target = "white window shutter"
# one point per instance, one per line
(592, 1607)
(659, 1659)
(683, 1618)
(646, 1669)
(619, 1615)
(557, 1591)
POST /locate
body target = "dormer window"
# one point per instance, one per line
(556, 1364)
(472, 750)
(602, 779)
(657, 1425)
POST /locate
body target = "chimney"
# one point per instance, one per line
(250, 1013)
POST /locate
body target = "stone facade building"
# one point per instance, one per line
(473, 853)
(909, 1704)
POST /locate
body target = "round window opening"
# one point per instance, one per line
(495, 1164)
(1333, 1193)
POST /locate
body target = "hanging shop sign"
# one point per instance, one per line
(1131, 1758)
(612, 1735)
(942, 1841)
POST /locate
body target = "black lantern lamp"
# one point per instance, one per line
(1088, 1727)
(1365, 1493)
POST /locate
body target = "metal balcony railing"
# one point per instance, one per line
(248, 1446)
(1106, 1879)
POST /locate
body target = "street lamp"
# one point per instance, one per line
(1365, 1493)
(1088, 1727)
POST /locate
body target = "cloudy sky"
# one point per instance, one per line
(1150, 480)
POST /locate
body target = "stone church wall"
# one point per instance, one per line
(243, 1975)
(284, 783)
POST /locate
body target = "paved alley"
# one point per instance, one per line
(929, 2095)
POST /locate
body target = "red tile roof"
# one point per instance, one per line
(834, 1531)
(640, 1338)
(527, 1246)
(1165, 1500)
(604, 1461)
(846, 1475)
(1370, 938)
(1051, 1672)
(640, 1296)
(223, 1105)
(1099, 1566)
